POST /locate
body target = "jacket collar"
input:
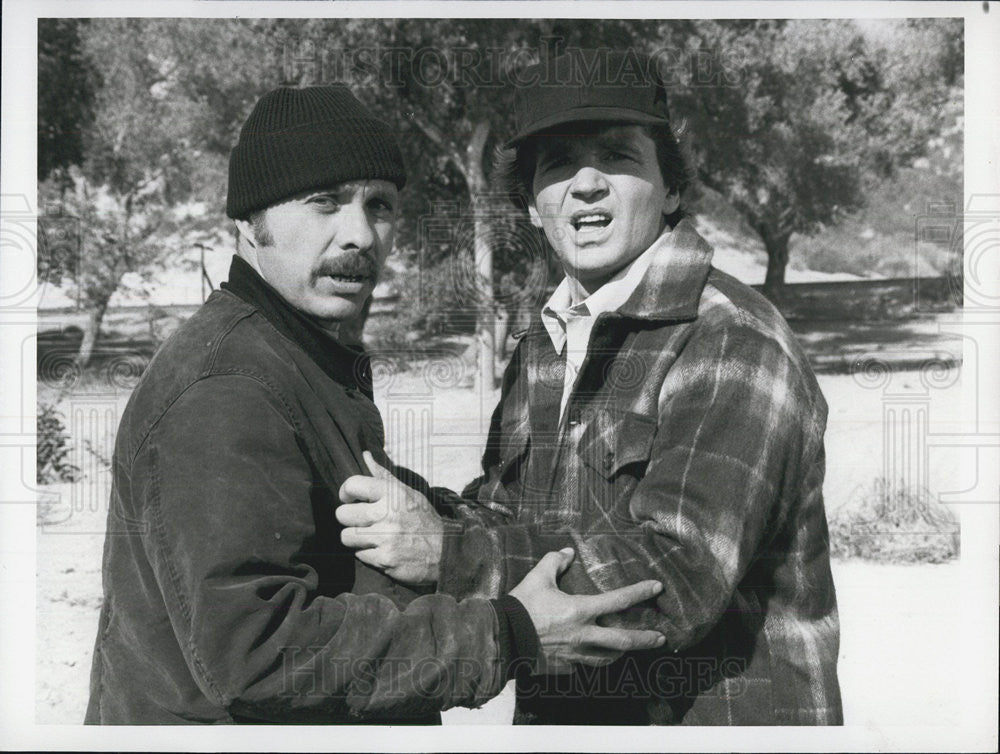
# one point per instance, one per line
(346, 365)
(672, 285)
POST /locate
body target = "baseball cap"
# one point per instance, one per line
(588, 85)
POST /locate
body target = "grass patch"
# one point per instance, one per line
(52, 464)
(894, 523)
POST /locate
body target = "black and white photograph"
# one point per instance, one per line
(436, 370)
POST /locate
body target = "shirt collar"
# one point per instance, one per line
(347, 365)
(554, 314)
(664, 282)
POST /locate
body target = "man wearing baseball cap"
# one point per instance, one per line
(659, 417)
(228, 596)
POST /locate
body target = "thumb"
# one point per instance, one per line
(565, 558)
(379, 472)
(554, 564)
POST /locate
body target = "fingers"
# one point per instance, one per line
(593, 656)
(357, 539)
(618, 639)
(620, 599)
(379, 472)
(361, 488)
(360, 514)
(370, 557)
(551, 565)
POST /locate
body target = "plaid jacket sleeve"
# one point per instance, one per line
(738, 439)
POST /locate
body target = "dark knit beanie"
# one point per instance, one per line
(299, 140)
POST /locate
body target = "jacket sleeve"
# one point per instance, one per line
(737, 438)
(227, 501)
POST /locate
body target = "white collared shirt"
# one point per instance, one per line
(570, 324)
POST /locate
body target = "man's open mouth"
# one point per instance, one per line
(590, 219)
(348, 278)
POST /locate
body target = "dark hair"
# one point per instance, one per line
(514, 169)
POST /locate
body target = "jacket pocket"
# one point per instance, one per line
(615, 440)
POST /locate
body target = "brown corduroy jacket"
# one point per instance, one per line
(228, 596)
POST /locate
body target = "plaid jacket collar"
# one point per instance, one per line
(671, 287)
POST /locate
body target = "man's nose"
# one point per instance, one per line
(354, 228)
(589, 183)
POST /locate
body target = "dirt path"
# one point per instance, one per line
(891, 615)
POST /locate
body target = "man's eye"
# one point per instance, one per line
(552, 163)
(614, 155)
(378, 204)
(324, 202)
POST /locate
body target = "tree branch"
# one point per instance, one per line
(435, 135)
(476, 177)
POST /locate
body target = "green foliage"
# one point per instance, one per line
(156, 140)
(897, 524)
(814, 115)
(882, 237)
(94, 236)
(53, 447)
(66, 85)
(806, 119)
(782, 142)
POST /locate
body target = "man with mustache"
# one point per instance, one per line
(659, 417)
(228, 597)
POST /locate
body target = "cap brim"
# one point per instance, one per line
(586, 114)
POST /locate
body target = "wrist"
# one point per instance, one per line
(519, 646)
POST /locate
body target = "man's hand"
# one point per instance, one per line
(392, 526)
(565, 623)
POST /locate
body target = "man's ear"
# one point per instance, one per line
(536, 219)
(245, 229)
(246, 244)
(671, 202)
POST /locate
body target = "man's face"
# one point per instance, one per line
(323, 250)
(600, 199)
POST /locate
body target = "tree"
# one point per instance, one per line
(156, 139)
(810, 116)
(66, 83)
(776, 138)
(118, 234)
(445, 85)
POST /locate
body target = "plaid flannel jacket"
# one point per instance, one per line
(691, 451)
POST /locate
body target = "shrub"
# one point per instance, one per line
(896, 524)
(53, 447)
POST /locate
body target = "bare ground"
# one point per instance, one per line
(890, 614)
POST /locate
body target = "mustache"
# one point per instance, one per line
(355, 265)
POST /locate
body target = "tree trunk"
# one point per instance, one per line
(485, 320)
(91, 331)
(482, 261)
(777, 260)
